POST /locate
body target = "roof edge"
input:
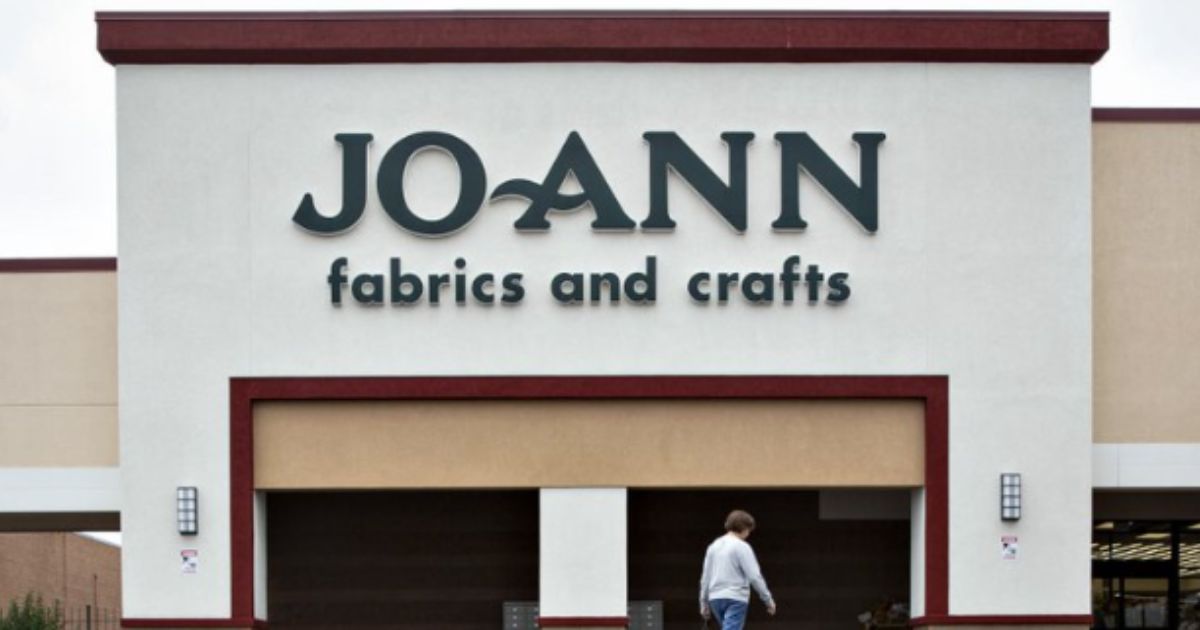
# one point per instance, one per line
(682, 14)
(45, 265)
(597, 36)
(1146, 114)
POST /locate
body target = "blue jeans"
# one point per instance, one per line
(730, 613)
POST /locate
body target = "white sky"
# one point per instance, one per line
(57, 171)
(112, 538)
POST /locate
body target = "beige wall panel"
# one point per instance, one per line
(58, 437)
(478, 444)
(1146, 237)
(59, 335)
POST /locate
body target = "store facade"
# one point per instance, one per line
(285, 231)
(835, 268)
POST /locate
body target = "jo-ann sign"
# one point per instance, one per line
(797, 152)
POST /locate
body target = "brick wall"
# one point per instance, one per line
(74, 570)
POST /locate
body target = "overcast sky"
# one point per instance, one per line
(57, 169)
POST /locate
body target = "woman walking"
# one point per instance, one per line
(730, 570)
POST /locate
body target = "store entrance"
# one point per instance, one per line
(424, 554)
(1133, 594)
(417, 560)
(1146, 574)
(1146, 569)
(833, 559)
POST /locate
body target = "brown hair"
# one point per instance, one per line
(739, 521)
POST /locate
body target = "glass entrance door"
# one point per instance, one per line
(1123, 601)
(1145, 575)
(1146, 601)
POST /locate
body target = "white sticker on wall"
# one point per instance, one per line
(1008, 547)
(191, 560)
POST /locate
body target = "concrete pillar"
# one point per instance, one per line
(917, 554)
(583, 558)
(260, 556)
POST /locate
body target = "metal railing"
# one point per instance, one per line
(88, 618)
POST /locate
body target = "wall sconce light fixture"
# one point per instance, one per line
(187, 510)
(1010, 496)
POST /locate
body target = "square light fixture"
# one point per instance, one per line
(187, 510)
(1010, 496)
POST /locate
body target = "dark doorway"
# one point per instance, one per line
(413, 560)
(823, 573)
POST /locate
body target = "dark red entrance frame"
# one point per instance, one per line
(245, 392)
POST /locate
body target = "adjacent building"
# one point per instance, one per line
(79, 575)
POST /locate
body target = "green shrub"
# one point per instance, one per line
(31, 614)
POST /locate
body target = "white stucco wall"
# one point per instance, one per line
(980, 269)
(80, 489)
(1145, 466)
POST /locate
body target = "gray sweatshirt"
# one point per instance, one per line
(730, 569)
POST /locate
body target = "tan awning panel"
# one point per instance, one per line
(634, 443)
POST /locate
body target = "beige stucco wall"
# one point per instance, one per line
(1146, 233)
(58, 394)
(588, 443)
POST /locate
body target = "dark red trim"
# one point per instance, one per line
(937, 500)
(583, 622)
(933, 390)
(585, 387)
(1002, 620)
(256, 624)
(1145, 114)
(682, 36)
(241, 496)
(40, 265)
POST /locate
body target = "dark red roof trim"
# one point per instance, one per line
(42, 265)
(246, 624)
(684, 36)
(1002, 620)
(1145, 114)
